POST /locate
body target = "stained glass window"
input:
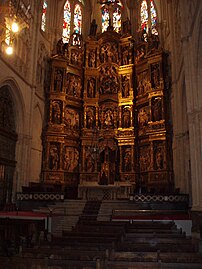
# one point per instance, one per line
(105, 19)
(111, 11)
(43, 18)
(77, 19)
(153, 19)
(144, 16)
(117, 20)
(66, 22)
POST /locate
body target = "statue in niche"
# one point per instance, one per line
(108, 118)
(58, 78)
(127, 160)
(125, 55)
(157, 109)
(140, 87)
(71, 84)
(89, 163)
(93, 28)
(155, 75)
(143, 117)
(126, 117)
(159, 158)
(90, 118)
(91, 59)
(125, 86)
(56, 112)
(78, 87)
(91, 88)
(53, 157)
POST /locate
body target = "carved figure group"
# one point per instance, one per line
(109, 53)
(71, 158)
(74, 85)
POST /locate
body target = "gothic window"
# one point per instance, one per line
(144, 16)
(111, 12)
(44, 18)
(66, 22)
(77, 19)
(148, 16)
(72, 21)
(105, 19)
(153, 19)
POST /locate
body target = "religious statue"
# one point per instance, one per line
(93, 28)
(53, 157)
(58, 83)
(91, 88)
(157, 109)
(56, 112)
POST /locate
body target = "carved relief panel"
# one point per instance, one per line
(108, 80)
(108, 115)
(73, 85)
(109, 53)
(70, 159)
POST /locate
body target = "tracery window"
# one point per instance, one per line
(44, 18)
(72, 20)
(111, 13)
(148, 16)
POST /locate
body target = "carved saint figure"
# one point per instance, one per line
(53, 157)
(58, 81)
(90, 117)
(56, 112)
(157, 109)
(126, 117)
(91, 88)
(125, 86)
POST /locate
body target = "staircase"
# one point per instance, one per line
(90, 211)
